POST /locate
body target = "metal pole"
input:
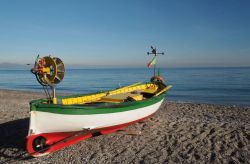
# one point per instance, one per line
(54, 92)
(154, 68)
(54, 95)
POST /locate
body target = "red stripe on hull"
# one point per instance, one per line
(54, 139)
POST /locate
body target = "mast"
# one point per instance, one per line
(155, 53)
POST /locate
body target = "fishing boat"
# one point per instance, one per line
(59, 121)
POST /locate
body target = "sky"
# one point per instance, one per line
(116, 33)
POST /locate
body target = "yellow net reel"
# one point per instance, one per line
(49, 71)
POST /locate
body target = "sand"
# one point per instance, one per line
(178, 133)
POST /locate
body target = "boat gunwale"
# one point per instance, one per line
(75, 109)
(82, 110)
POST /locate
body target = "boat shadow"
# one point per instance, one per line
(13, 138)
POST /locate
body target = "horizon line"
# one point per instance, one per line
(25, 67)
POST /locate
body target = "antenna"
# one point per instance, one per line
(155, 53)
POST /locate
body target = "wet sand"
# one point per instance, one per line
(178, 133)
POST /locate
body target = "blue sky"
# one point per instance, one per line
(119, 33)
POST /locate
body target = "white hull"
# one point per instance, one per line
(44, 122)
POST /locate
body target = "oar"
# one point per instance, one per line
(164, 90)
(114, 91)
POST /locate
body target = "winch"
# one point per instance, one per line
(49, 71)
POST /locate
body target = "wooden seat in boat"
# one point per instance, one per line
(122, 97)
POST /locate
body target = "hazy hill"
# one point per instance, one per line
(14, 66)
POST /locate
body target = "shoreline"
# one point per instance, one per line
(171, 101)
(179, 132)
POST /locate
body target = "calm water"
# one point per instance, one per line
(199, 85)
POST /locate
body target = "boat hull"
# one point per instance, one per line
(45, 122)
(56, 127)
(60, 140)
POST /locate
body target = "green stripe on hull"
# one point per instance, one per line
(88, 110)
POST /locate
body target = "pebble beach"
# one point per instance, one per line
(178, 133)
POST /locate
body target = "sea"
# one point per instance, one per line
(225, 86)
